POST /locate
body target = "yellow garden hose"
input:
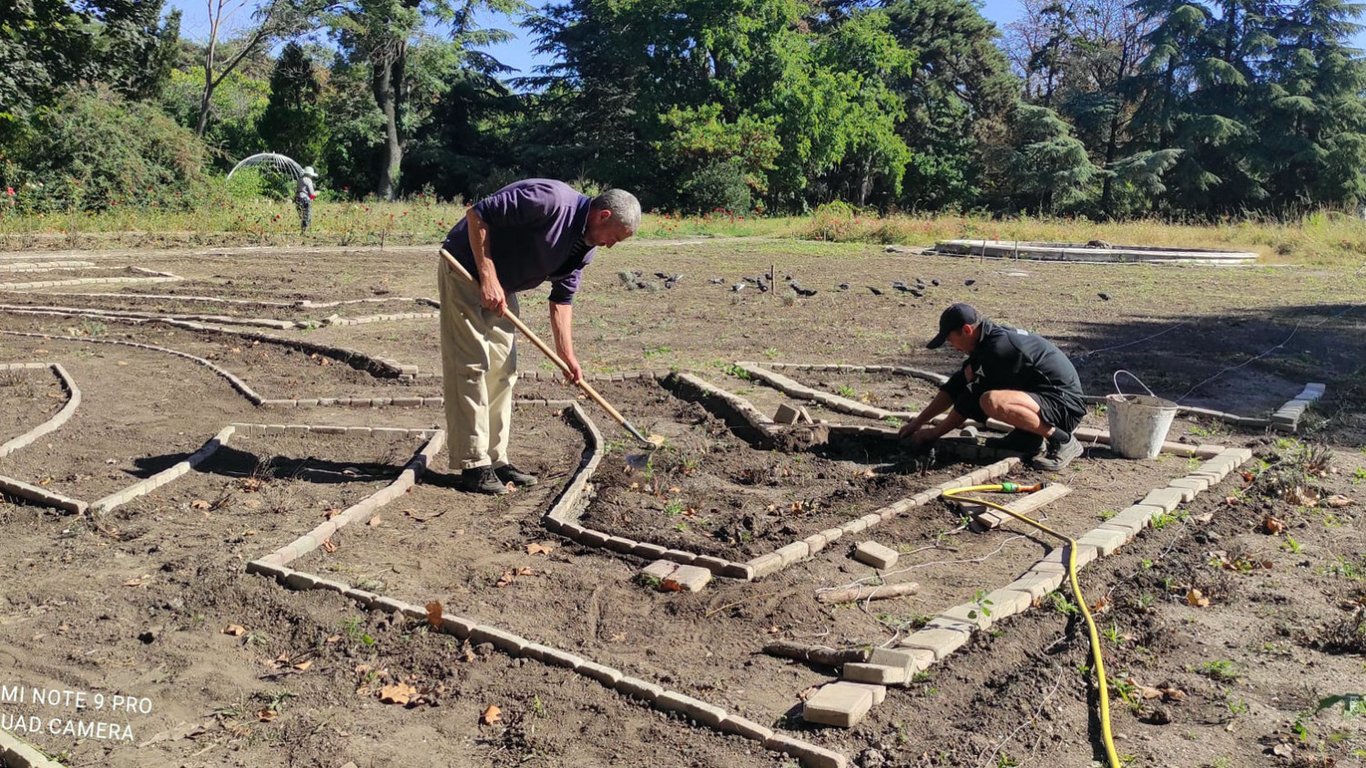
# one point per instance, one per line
(955, 494)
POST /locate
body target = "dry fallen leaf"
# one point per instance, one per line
(267, 714)
(140, 581)
(424, 515)
(398, 693)
(1338, 500)
(491, 715)
(303, 666)
(1102, 605)
(544, 548)
(200, 504)
(331, 513)
(236, 630)
(1195, 599)
(328, 546)
(332, 639)
(374, 521)
(1272, 526)
(434, 614)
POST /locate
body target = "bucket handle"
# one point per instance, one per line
(1119, 391)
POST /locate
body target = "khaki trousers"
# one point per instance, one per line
(479, 368)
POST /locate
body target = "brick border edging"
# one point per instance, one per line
(62, 416)
(314, 538)
(23, 490)
(18, 753)
(768, 564)
(46, 266)
(165, 476)
(161, 277)
(336, 321)
(236, 383)
(129, 314)
(951, 628)
(1287, 417)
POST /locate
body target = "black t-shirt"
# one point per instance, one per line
(1009, 358)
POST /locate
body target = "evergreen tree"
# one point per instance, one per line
(293, 123)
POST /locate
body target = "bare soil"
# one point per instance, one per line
(139, 605)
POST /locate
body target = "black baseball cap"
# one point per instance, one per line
(953, 318)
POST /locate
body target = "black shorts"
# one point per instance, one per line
(1060, 412)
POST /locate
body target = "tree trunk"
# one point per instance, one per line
(206, 98)
(386, 97)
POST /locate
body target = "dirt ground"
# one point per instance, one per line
(152, 602)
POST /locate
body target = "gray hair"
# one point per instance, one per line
(623, 205)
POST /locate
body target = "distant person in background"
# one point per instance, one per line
(303, 198)
(521, 236)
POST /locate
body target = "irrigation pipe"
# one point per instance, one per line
(957, 494)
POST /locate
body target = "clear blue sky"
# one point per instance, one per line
(518, 53)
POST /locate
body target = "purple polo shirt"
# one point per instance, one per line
(534, 225)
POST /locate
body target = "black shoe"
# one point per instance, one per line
(1018, 441)
(482, 480)
(510, 474)
(1059, 455)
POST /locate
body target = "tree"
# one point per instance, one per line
(1314, 125)
(380, 32)
(293, 123)
(275, 19)
(957, 98)
(1049, 168)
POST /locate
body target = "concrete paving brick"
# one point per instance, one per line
(647, 551)
(832, 535)
(1130, 532)
(793, 552)
(634, 686)
(1106, 541)
(1208, 451)
(875, 554)
(1200, 484)
(502, 640)
(558, 658)
(659, 569)
(459, 626)
(879, 691)
(891, 657)
(951, 622)
(967, 614)
(940, 642)
(361, 596)
(713, 564)
(389, 604)
(809, 755)
(592, 538)
(1240, 455)
(687, 578)
(765, 565)
(601, 673)
(620, 544)
(855, 526)
(1165, 498)
(1142, 514)
(1008, 602)
(745, 727)
(679, 556)
(878, 674)
(1187, 492)
(786, 414)
(706, 714)
(534, 651)
(1085, 554)
(742, 571)
(1048, 567)
(838, 704)
(815, 542)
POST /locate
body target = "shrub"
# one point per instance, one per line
(720, 184)
(94, 150)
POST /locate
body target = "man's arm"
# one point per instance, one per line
(917, 430)
(490, 290)
(562, 327)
